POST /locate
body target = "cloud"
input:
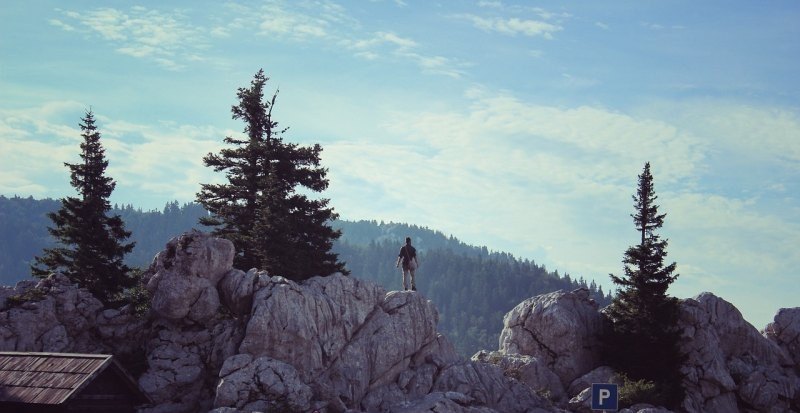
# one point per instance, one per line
(602, 25)
(513, 26)
(296, 26)
(385, 38)
(58, 23)
(164, 162)
(164, 38)
(534, 180)
(37, 147)
(750, 134)
(659, 27)
(381, 43)
(490, 4)
(577, 82)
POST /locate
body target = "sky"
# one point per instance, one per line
(521, 126)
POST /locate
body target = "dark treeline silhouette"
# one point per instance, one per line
(472, 287)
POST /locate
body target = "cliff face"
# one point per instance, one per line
(224, 340)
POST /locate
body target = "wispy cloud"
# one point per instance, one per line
(143, 159)
(513, 25)
(331, 23)
(385, 38)
(490, 4)
(382, 43)
(166, 38)
(61, 24)
(658, 26)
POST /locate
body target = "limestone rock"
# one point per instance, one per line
(560, 329)
(58, 316)
(785, 331)
(344, 336)
(582, 402)
(261, 384)
(602, 374)
(185, 276)
(527, 369)
(183, 362)
(449, 402)
(486, 384)
(727, 359)
(236, 290)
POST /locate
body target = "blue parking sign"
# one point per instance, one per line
(605, 396)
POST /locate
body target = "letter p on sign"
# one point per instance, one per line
(605, 396)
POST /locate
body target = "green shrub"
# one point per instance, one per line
(34, 294)
(639, 391)
(137, 296)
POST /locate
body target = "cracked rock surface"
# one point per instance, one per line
(730, 366)
(60, 317)
(559, 329)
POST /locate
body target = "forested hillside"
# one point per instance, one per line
(471, 286)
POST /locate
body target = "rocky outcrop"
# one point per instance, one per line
(785, 332)
(730, 366)
(548, 341)
(356, 347)
(561, 329)
(54, 315)
(233, 341)
(278, 385)
(224, 340)
(185, 276)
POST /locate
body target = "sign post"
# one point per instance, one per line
(605, 397)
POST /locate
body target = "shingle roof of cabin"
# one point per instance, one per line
(49, 378)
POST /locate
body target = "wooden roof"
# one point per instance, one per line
(49, 378)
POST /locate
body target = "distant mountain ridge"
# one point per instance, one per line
(472, 286)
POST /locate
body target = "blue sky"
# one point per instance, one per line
(517, 125)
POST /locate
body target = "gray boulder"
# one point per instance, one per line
(528, 370)
(236, 290)
(488, 386)
(730, 366)
(261, 384)
(785, 332)
(184, 277)
(54, 315)
(560, 329)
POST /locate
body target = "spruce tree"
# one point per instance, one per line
(91, 245)
(259, 209)
(643, 339)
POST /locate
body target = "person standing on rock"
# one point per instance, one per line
(408, 257)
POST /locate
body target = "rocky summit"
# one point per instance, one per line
(224, 340)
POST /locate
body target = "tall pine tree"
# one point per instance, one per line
(643, 339)
(91, 245)
(259, 209)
